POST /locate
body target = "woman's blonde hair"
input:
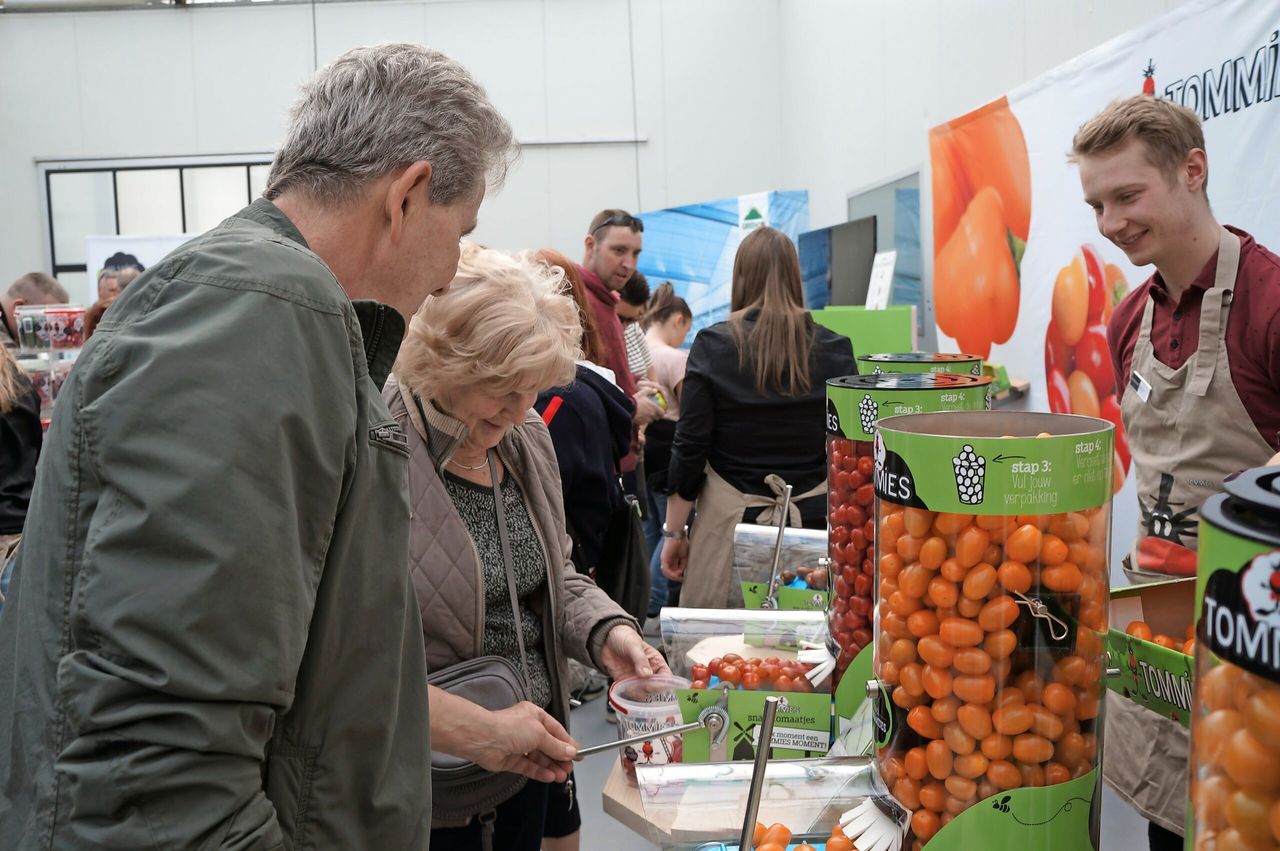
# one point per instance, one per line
(506, 325)
(12, 381)
(766, 276)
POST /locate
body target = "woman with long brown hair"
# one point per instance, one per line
(751, 419)
(20, 438)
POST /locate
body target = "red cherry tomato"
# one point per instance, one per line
(1111, 412)
(782, 683)
(700, 672)
(1093, 358)
(1059, 393)
(1097, 283)
(1057, 355)
(751, 681)
(699, 685)
(730, 674)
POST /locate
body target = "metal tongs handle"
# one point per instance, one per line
(758, 771)
(771, 601)
(642, 737)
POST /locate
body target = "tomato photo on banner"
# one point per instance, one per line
(982, 212)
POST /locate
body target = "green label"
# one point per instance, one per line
(991, 475)
(1153, 676)
(1062, 817)
(801, 729)
(852, 412)
(855, 725)
(1238, 600)
(789, 599)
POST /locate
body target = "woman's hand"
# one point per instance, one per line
(675, 557)
(521, 739)
(627, 654)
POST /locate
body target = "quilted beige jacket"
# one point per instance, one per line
(576, 615)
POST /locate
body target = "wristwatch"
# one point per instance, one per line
(677, 535)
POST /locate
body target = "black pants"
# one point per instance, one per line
(518, 826)
(1162, 839)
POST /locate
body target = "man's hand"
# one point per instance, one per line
(675, 556)
(627, 654)
(524, 739)
(521, 739)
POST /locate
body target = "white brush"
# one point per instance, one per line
(877, 824)
(813, 653)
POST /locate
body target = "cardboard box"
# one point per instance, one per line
(1150, 675)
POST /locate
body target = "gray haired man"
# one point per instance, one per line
(211, 639)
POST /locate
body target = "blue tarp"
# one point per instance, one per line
(693, 247)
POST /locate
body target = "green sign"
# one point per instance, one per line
(789, 599)
(1155, 677)
(962, 463)
(801, 729)
(1062, 817)
(855, 403)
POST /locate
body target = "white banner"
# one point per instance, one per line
(148, 250)
(1218, 57)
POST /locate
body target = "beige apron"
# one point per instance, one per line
(1188, 434)
(720, 506)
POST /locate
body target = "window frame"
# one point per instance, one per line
(49, 167)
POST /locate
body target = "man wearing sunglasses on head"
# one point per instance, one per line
(612, 247)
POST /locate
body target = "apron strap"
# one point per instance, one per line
(772, 514)
(1213, 313)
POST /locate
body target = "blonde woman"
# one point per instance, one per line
(20, 438)
(468, 372)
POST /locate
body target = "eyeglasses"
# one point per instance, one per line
(625, 220)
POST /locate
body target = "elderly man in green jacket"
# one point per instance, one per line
(211, 639)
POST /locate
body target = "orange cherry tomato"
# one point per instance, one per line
(979, 581)
(944, 710)
(970, 546)
(1004, 774)
(935, 651)
(1000, 645)
(916, 764)
(1139, 629)
(1014, 575)
(1024, 544)
(1058, 698)
(778, 833)
(924, 824)
(960, 632)
(1064, 577)
(840, 843)
(974, 720)
(998, 614)
(1032, 749)
(939, 758)
(972, 660)
(974, 688)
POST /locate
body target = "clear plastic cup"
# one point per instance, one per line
(648, 705)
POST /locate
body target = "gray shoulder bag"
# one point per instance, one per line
(462, 790)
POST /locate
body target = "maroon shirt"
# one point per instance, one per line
(603, 301)
(1252, 335)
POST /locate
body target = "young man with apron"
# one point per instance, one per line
(1196, 351)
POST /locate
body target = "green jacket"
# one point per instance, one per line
(211, 639)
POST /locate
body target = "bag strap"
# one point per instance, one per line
(501, 511)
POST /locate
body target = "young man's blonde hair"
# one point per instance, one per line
(1168, 132)
(506, 325)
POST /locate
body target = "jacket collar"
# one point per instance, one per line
(265, 213)
(443, 434)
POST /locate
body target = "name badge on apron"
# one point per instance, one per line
(1140, 385)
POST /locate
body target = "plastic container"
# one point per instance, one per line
(40, 371)
(701, 807)
(854, 404)
(803, 552)
(66, 325)
(33, 327)
(1235, 727)
(930, 362)
(993, 534)
(647, 705)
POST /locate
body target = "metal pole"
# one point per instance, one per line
(641, 737)
(772, 600)
(757, 773)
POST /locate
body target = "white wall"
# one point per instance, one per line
(733, 96)
(215, 80)
(863, 80)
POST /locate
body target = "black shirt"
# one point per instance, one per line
(746, 436)
(20, 439)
